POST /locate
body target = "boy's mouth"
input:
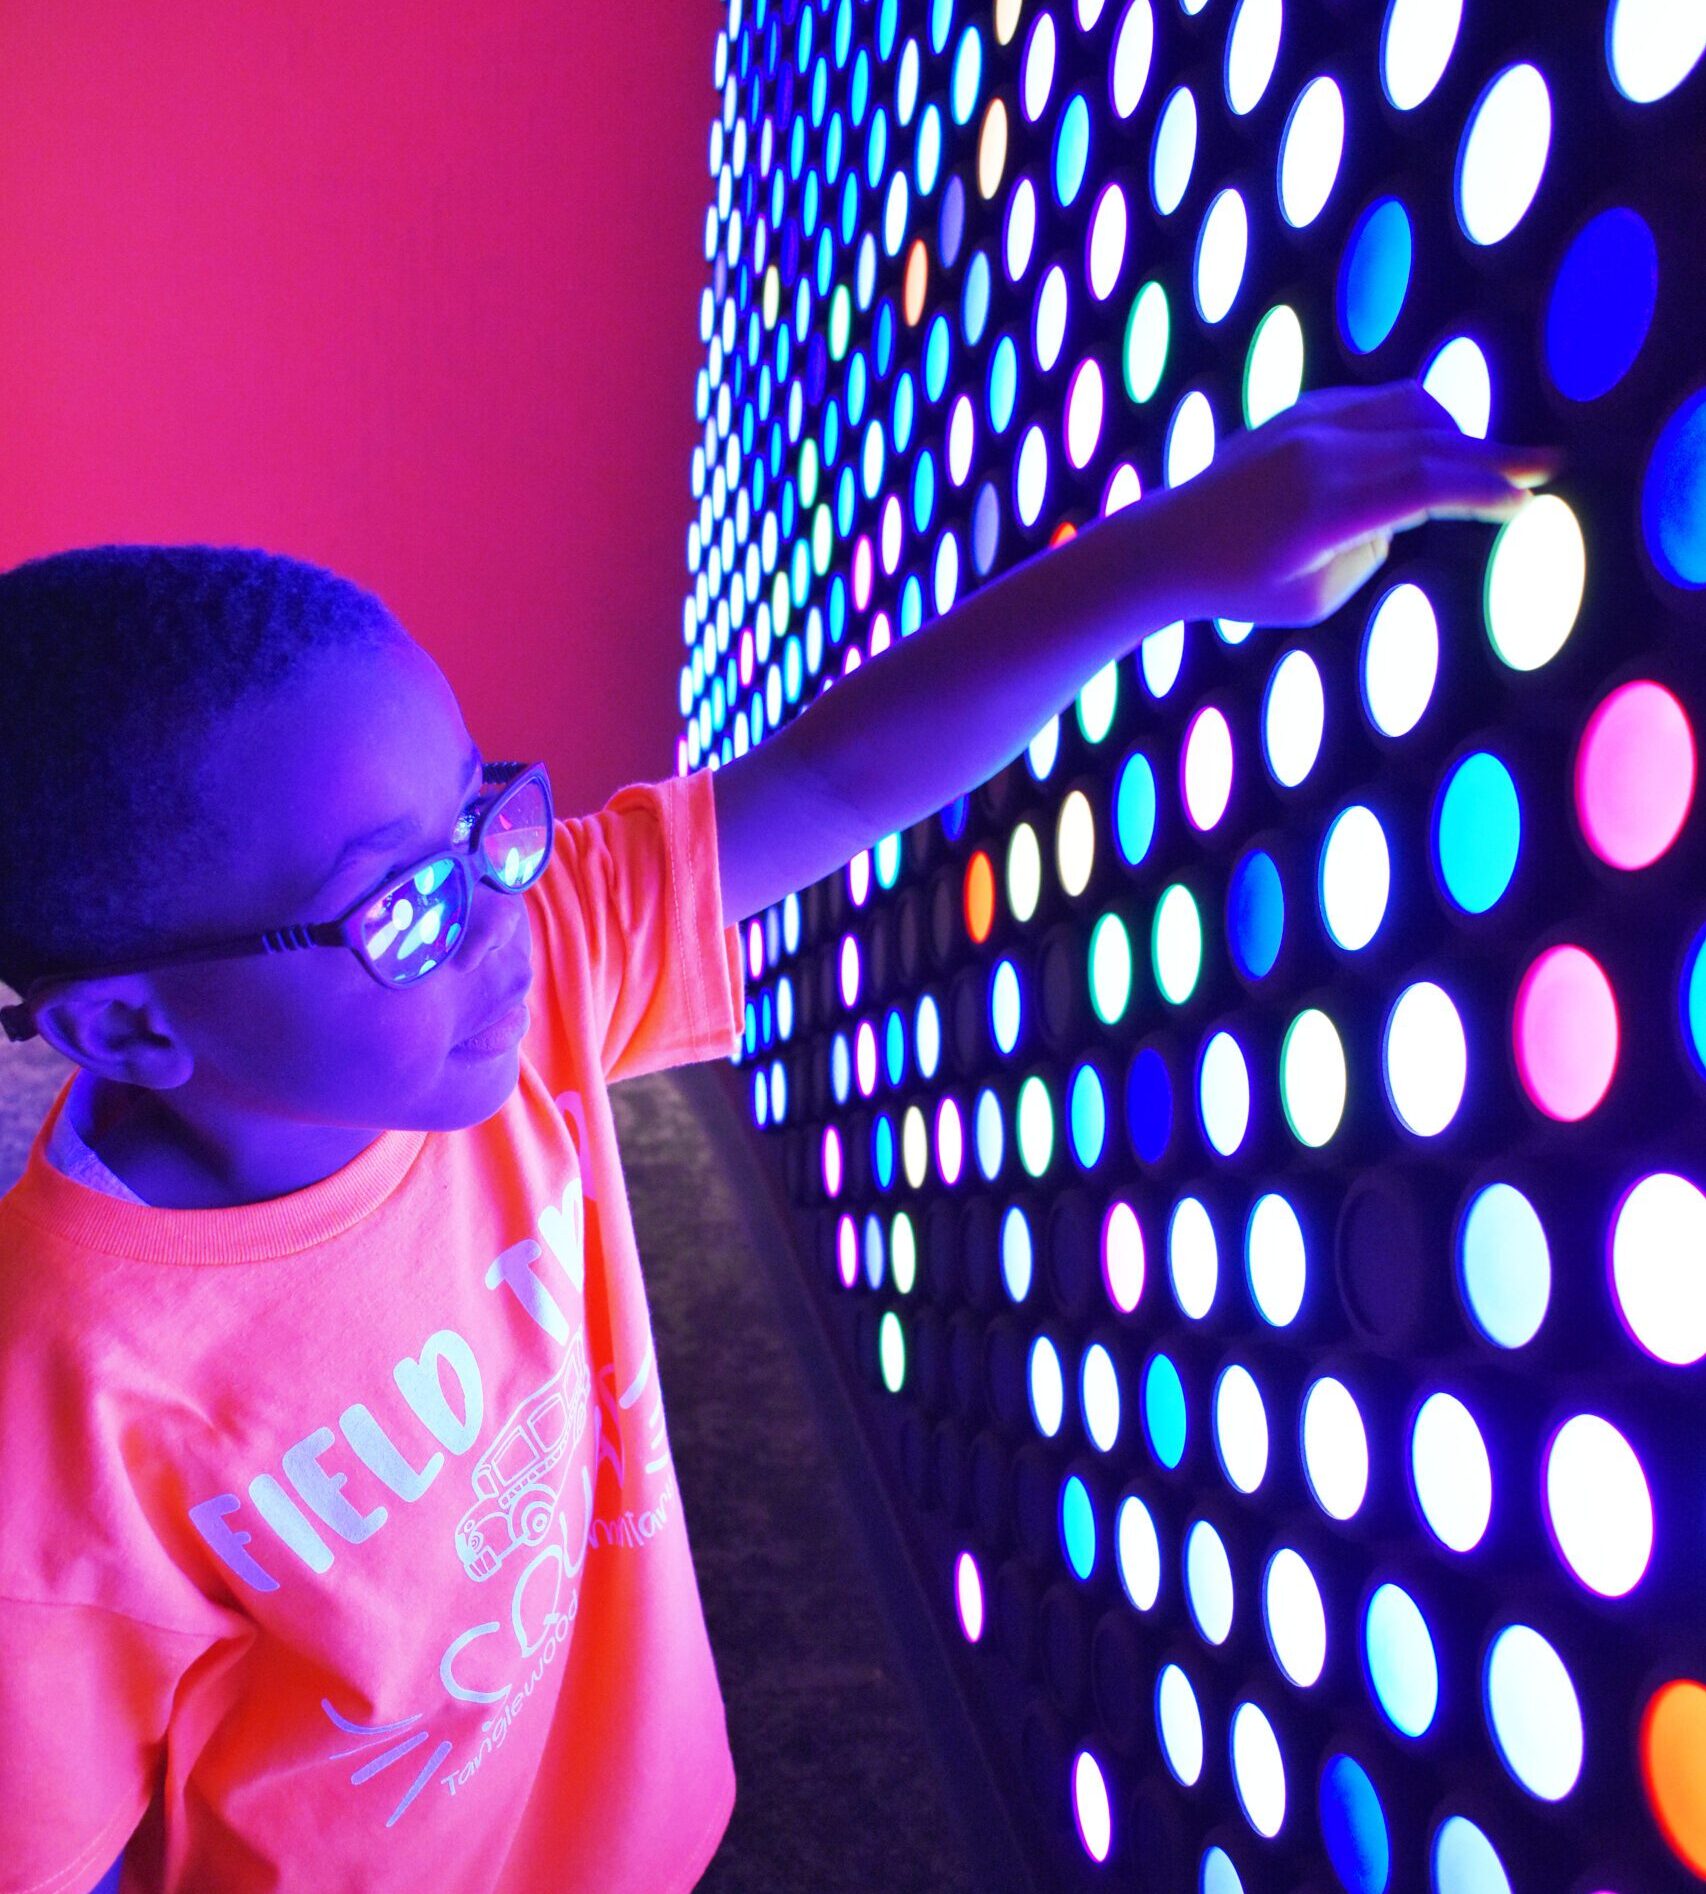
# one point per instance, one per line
(506, 1006)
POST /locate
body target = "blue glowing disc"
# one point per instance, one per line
(1149, 1105)
(1353, 1826)
(1134, 808)
(1478, 832)
(1602, 304)
(1164, 1411)
(1673, 497)
(1255, 914)
(1375, 275)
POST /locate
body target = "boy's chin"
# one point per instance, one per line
(488, 1080)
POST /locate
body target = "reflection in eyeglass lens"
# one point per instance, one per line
(409, 917)
(518, 837)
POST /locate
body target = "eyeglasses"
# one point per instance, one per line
(415, 923)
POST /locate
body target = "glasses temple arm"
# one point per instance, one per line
(278, 940)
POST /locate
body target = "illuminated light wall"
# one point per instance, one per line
(1251, 1151)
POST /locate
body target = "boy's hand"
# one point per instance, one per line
(1292, 517)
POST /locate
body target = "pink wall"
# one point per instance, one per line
(409, 292)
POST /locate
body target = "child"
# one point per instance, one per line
(343, 1548)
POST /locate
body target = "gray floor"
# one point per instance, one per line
(837, 1787)
(838, 1790)
(30, 1074)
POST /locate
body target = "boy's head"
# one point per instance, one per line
(189, 738)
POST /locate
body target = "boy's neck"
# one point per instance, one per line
(148, 1151)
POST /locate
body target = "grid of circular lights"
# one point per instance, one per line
(949, 269)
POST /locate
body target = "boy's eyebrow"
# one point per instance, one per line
(390, 832)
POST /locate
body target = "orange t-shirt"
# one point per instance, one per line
(341, 1546)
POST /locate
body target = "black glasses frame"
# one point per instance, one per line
(503, 780)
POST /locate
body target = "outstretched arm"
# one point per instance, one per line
(1286, 524)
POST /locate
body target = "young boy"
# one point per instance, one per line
(342, 1544)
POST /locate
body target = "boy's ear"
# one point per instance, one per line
(117, 1027)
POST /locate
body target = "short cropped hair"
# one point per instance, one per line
(117, 666)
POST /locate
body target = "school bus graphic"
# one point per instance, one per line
(516, 1480)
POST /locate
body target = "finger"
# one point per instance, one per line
(1497, 507)
(1527, 466)
(1346, 575)
(1453, 492)
(1431, 486)
(1374, 457)
(1532, 466)
(1356, 456)
(1406, 409)
(1319, 591)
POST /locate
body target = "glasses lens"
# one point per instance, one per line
(518, 837)
(415, 923)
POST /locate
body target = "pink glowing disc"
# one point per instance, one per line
(1565, 1028)
(1635, 775)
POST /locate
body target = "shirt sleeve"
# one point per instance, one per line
(631, 950)
(85, 1696)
